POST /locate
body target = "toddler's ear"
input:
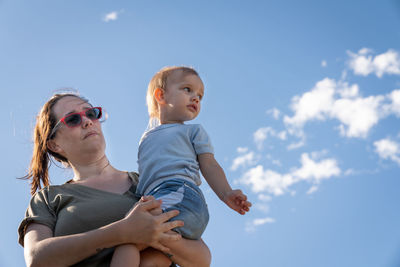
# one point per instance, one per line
(159, 96)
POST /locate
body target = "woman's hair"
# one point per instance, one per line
(160, 80)
(45, 122)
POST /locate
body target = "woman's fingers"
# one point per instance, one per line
(167, 215)
(150, 204)
(167, 226)
(146, 198)
(170, 237)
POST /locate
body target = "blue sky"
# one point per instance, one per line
(302, 103)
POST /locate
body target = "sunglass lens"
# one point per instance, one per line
(93, 113)
(73, 120)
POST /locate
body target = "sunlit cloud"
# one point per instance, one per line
(312, 105)
(331, 99)
(388, 149)
(364, 63)
(358, 115)
(275, 183)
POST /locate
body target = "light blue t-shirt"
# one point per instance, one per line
(170, 151)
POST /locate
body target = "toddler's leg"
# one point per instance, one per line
(125, 255)
(151, 257)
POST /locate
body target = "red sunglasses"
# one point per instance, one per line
(75, 119)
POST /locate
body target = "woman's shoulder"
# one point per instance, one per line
(134, 176)
(50, 191)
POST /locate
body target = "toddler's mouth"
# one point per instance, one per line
(192, 107)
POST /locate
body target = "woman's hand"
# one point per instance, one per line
(140, 226)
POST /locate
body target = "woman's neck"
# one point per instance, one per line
(92, 169)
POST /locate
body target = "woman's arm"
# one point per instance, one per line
(139, 227)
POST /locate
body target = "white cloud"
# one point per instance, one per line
(268, 181)
(364, 63)
(262, 221)
(264, 197)
(111, 16)
(338, 100)
(262, 134)
(244, 160)
(242, 149)
(296, 145)
(312, 105)
(357, 116)
(388, 149)
(274, 112)
(312, 189)
(324, 63)
(251, 226)
(315, 171)
(394, 106)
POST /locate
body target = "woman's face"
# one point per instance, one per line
(82, 144)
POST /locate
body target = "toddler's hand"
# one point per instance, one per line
(237, 201)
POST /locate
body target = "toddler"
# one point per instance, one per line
(172, 153)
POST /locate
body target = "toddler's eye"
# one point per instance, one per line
(187, 89)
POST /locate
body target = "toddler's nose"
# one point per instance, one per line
(196, 99)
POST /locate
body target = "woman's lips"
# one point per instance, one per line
(90, 134)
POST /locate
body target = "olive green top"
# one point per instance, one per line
(72, 208)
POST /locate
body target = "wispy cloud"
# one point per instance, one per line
(251, 226)
(243, 160)
(112, 16)
(324, 63)
(312, 189)
(364, 63)
(262, 134)
(275, 113)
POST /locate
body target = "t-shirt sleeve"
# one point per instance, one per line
(39, 211)
(201, 141)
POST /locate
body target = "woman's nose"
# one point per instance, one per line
(86, 121)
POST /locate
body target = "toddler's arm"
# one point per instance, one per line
(216, 178)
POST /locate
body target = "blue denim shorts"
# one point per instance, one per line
(186, 197)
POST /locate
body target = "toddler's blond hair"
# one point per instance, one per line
(160, 80)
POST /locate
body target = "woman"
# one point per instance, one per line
(81, 222)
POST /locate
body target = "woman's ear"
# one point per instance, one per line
(52, 145)
(159, 96)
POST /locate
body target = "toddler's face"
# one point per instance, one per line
(183, 97)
